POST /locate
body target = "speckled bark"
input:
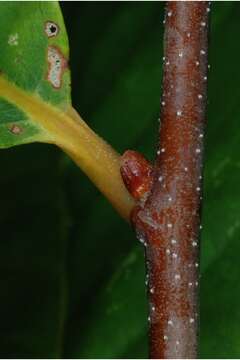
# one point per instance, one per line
(168, 220)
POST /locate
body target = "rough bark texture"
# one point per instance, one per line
(167, 218)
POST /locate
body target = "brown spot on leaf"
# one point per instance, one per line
(15, 129)
(57, 64)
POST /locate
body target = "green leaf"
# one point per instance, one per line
(34, 56)
(34, 85)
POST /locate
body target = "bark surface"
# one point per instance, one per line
(167, 217)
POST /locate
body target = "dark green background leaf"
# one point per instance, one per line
(72, 272)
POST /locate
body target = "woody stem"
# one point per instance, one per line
(169, 220)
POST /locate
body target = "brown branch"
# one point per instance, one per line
(167, 218)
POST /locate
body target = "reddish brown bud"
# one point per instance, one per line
(136, 172)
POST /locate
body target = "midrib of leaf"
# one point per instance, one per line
(67, 130)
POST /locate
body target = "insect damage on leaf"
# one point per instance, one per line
(51, 29)
(13, 39)
(56, 66)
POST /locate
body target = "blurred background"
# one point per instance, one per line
(72, 272)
